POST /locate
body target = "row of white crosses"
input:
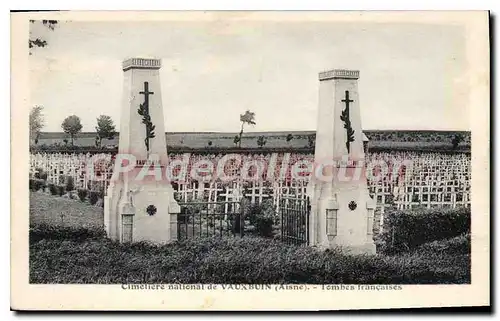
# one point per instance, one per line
(58, 166)
(435, 179)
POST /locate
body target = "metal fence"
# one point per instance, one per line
(207, 219)
(294, 218)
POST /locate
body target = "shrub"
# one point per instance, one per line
(60, 190)
(264, 226)
(194, 205)
(70, 184)
(253, 210)
(264, 218)
(93, 197)
(405, 230)
(82, 194)
(53, 189)
(36, 184)
(43, 184)
(41, 174)
(191, 209)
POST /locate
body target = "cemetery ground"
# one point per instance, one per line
(73, 248)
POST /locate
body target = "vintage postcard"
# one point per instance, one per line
(250, 160)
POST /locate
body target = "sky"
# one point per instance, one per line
(411, 75)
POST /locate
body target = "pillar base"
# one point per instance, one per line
(155, 209)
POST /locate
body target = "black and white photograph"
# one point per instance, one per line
(255, 151)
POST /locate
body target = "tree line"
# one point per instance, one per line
(105, 129)
(72, 126)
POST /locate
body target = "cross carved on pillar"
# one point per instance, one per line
(347, 121)
(146, 117)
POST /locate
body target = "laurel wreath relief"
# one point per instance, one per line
(347, 125)
(146, 120)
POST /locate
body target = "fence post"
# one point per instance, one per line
(308, 215)
(242, 214)
(281, 209)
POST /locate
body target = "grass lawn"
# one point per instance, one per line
(56, 210)
(70, 254)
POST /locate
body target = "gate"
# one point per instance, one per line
(209, 219)
(294, 214)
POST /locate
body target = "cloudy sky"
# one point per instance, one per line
(411, 75)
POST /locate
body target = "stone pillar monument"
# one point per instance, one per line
(140, 205)
(341, 208)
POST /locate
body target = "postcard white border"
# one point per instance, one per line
(112, 297)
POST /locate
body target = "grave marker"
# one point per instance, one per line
(341, 209)
(141, 209)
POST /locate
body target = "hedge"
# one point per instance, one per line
(53, 232)
(85, 256)
(405, 230)
(456, 245)
(82, 194)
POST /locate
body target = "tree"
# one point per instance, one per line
(105, 129)
(36, 41)
(36, 122)
(289, 137)
(72, 126)
(456, 140)
(236, 140)
(247, 118)
(261, 141)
